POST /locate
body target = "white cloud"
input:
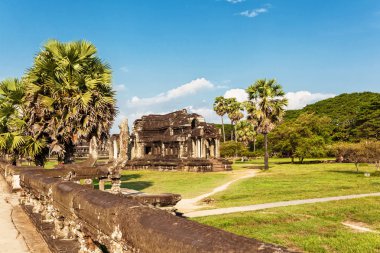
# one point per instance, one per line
(300, 99)
(207, 112)
(239, 94)
(297, 100)
(181, 91)
(124, 69)
(253, 13)
(235, 1)
(119, 87)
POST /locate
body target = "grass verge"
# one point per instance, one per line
(311, 228)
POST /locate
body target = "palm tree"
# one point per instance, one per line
(14, 138)
(69, 95)
(220, 107)
(245, 132)
(234, 113)
(266, 107)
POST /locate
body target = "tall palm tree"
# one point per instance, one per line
(245, 132)
(220, 107)
(234, 112)
(266, 107)
(69, 95)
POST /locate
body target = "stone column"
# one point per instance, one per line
(217, 149)
(101, 185)
(204, 149)
(162, 149)
(193, 148)
(93, 151)
(199, 148)
(115, 150)
(124, 140)
(212, 149)
(110, 150)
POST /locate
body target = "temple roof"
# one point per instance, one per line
(172, 126)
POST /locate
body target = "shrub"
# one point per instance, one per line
(362, 152)
(231, 148)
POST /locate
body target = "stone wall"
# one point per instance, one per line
(76, 218)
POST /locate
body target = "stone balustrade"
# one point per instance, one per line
(74, 218)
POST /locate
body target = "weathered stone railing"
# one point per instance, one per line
(75, 218)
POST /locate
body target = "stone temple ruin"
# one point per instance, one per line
(174, 141)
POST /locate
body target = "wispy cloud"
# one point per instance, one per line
(119, 87)
(253, 13)
(181, 91)
(124, 69)
(235, 1)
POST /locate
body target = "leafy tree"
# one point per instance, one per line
(231, 148)
(234, 112)
(245, 132)
(362, 152)
(266, 107)
(220, 107)
(306, 136)
(69, 95)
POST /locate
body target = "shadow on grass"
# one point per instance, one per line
(137, 185)
(129, 177)
(253, 167)
(304, 162)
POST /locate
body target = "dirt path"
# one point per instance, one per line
(17, 233)
(10, 238)
(189, 205)
(359, 227)
(275, 204)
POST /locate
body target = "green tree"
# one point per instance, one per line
(231, 148)
(234, 112)
(266, 107)
(220, 107)
(246, 133)
(69, 95)
(15, 140)
(304, 137)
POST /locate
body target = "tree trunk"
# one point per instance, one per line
(224, 133)
(266, 155)
(357, 167)
(69, 153)
(39, 160)
(292, 159)
(235, 132)
(254, 145)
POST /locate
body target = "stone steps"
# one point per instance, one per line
(220, 165)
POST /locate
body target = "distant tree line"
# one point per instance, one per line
(313, 131)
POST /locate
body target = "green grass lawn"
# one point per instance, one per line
(311, 227)
(188, 184)
(297, 181)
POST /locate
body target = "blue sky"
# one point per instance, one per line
(174, 54)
